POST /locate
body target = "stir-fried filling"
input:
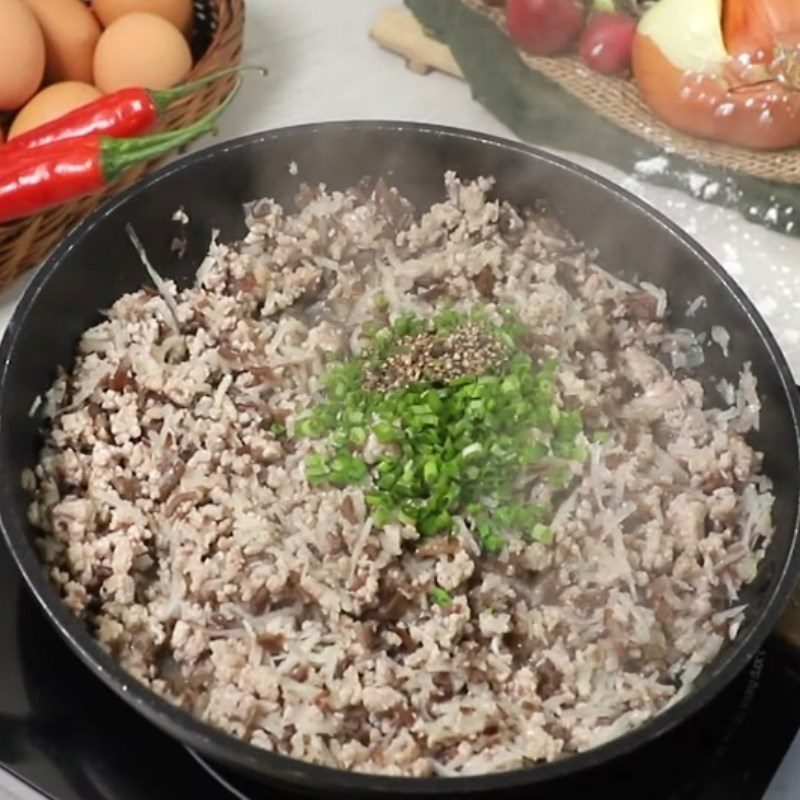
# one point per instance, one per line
(403, 493)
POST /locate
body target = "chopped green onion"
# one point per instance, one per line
(380, 301)
(385, 432)
(305, 427)
(447, 450)
(441, 596)
(559, 477)
(542, 533)
(381, 517)
(358, 435)
(277, 430)
(432, 524)
(492, 543)
(472, 450)
(430, 470)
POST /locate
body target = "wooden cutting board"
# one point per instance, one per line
(397, 30)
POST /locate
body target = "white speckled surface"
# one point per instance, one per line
(323, 66)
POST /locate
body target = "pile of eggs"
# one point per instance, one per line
(56, 55)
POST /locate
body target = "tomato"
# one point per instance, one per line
(544, 27)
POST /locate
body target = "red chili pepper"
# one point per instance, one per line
(124, 113)
(66, 170)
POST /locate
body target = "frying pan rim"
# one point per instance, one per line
(231, 752)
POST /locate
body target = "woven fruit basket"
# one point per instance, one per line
(558, 102)
(216, 43)
(617, 100)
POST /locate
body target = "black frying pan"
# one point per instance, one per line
(95, 264)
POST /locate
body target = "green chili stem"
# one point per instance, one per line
(119, 155)
(163, 98)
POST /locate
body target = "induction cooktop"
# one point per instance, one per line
(66, 735)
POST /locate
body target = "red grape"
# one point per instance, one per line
(607, 43)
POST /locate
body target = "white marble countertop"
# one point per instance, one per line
(324, 67)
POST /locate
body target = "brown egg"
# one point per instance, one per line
(70, 36)
(21, 54)
(51, 103)
(141, 50)
(178, 12)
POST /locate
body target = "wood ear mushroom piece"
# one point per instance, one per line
(726, 70)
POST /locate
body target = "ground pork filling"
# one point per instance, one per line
(178, 521)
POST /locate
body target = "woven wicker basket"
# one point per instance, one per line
(216, 43)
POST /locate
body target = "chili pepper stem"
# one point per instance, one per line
(118, 155)
(163, 98)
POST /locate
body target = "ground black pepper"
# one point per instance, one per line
(438, 359)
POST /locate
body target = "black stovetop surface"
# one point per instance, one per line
(70, 737)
